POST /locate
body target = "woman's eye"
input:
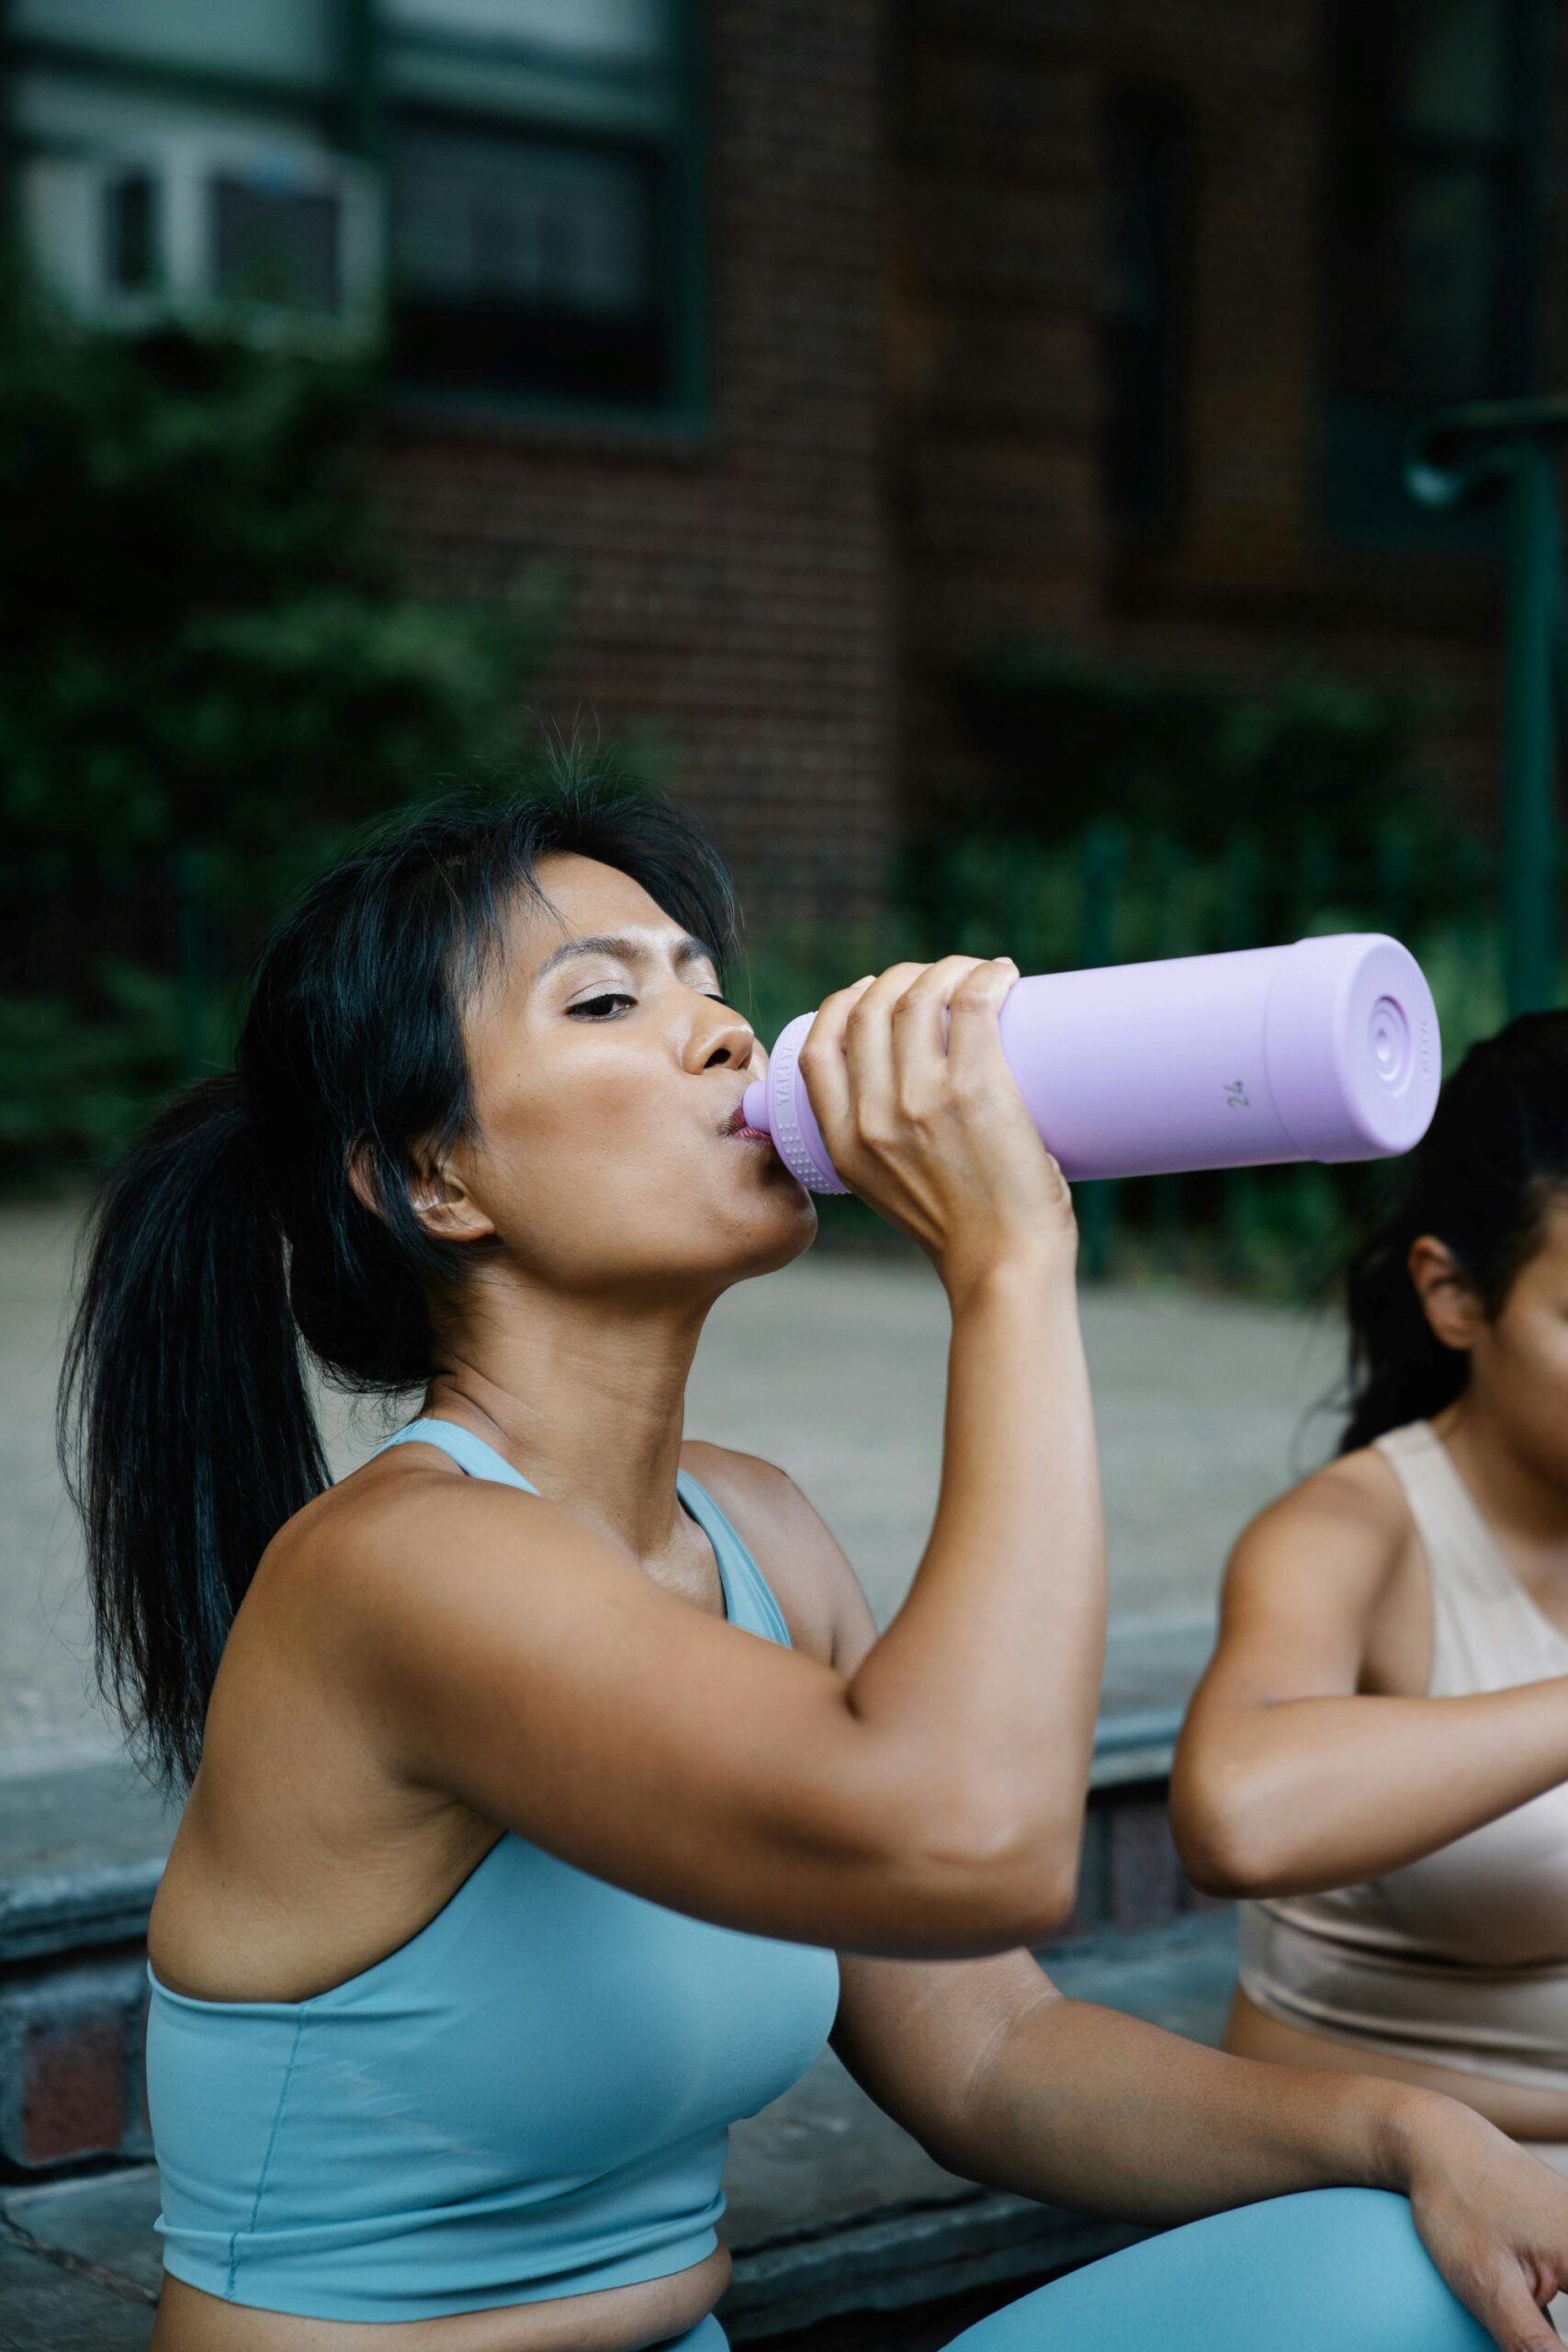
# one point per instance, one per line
(591, 1003)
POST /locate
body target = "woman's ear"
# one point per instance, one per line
(362, 1183)
(437, 1196)
(1451, 1303)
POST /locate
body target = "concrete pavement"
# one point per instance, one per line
(834, 1369)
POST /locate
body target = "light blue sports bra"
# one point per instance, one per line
(530, 2098)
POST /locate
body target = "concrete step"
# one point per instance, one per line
(832, 2207)
(47, 2307)
(81, 1847)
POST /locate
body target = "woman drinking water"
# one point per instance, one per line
(551, 1794)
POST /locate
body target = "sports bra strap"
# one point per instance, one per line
(468, 1451)
(749, 1599)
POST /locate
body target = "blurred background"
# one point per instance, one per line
(970, 450)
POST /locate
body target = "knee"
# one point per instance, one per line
(1321, 2270)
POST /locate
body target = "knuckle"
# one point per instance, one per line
(950, 974)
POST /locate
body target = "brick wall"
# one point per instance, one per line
(73, 2081)
(994, 389)
(908, 278)
(732, 596)
(994, 372)
(1252, 575)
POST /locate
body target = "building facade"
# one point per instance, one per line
(817, 346)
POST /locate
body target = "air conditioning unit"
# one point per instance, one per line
(275, 237)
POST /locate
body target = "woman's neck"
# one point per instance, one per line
(1518, 1499)
(585, 1398)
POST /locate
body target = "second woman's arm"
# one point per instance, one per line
(1288, 1778)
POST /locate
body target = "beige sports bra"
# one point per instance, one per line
(1460, 1959)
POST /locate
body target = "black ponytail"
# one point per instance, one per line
(191, 1435)
(1482, 1180)
(230, 1240)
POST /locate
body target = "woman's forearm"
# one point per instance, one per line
(991, 1670)
(1087, 2107)
(1285, 1807)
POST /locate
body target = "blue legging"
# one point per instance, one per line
(1325, 2270)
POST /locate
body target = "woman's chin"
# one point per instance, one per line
(779, 1243)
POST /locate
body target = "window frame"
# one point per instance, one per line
(1363, 435)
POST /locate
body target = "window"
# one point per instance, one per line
(133, 255)
(1148, 177)
(543, 206)
(524, 265)
(1432, 239)
(271, 244)
(596, 31)
(280, 236)
(513, 187)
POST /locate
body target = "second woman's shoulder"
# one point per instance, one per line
(1343, 1528)
(1359, 1488)
(821, 1597)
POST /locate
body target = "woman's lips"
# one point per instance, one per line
(736, 1125)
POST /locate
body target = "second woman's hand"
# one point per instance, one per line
(923, 1118)
(1493, 2217)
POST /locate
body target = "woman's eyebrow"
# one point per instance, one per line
(631, 951)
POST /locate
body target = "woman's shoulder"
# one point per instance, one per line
(1350, 1509)
(377, 1529)
(818, 1590)
(1362, 1483)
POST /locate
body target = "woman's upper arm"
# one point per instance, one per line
(505, 1652)
(1300, 1586)
(1300, 1589)
(914, 2033)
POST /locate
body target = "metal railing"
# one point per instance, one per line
(1458, 456)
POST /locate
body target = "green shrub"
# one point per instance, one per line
(215, 666)
(1070, 740)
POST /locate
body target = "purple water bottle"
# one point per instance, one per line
(1324, 1050)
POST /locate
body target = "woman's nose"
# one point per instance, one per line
(727, 1041)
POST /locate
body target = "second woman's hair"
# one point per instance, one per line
(1481, 1180)
(230, 1235)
